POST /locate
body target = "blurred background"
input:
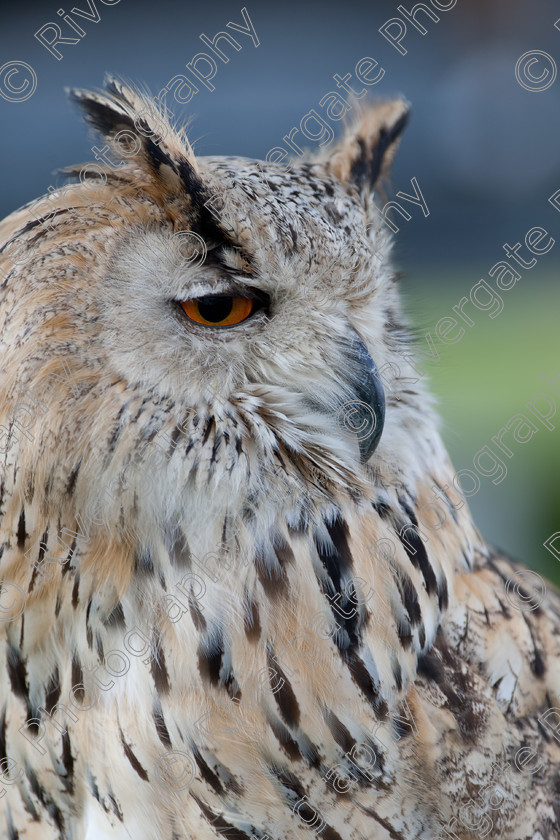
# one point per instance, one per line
(482, 145)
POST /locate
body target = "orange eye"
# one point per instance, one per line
(219, 310)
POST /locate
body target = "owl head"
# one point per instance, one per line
(191, 340)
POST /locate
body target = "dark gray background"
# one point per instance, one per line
(483, 148)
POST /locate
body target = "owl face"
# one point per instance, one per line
(259, 311)
(239, 304)
(223, 316)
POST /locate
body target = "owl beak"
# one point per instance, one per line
(364, 417)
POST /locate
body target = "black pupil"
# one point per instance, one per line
(215, 308)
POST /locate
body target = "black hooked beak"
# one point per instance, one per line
(364, 417)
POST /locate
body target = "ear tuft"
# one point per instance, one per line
(366, 151)
(138, 129)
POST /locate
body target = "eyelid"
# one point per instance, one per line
(198, 290)
(221, 289)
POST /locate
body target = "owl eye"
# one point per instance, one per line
(220, 310)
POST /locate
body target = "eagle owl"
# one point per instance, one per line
(242, 594)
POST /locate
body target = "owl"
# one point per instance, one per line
(242, 593)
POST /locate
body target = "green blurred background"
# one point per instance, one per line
(486, 378)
